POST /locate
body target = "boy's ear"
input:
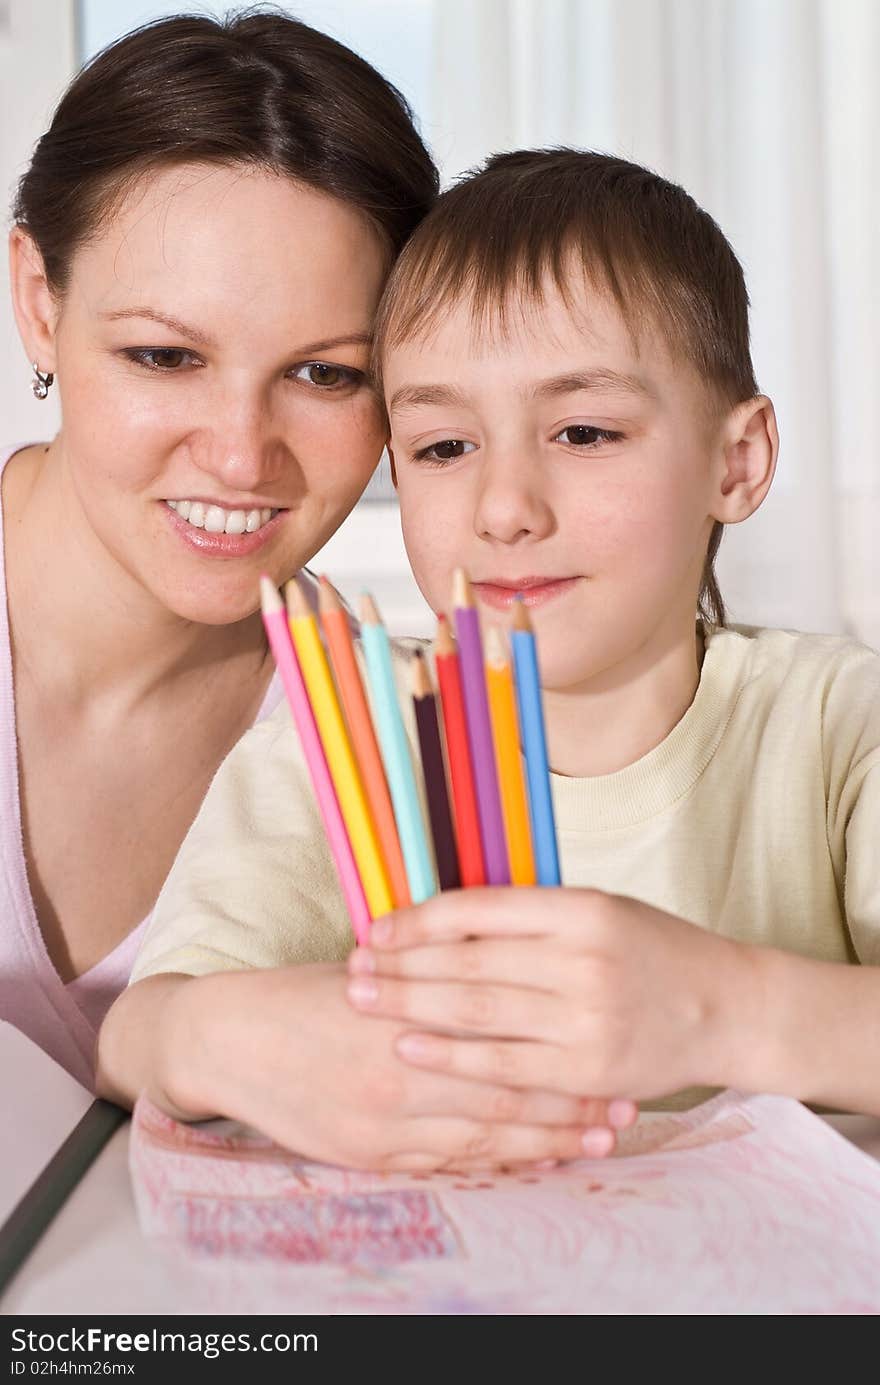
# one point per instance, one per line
(36, 311)
(392, 465)
(749, 448)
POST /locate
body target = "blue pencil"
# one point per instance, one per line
(396, 755)
(534, 743)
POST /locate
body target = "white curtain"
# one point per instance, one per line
(768, 112)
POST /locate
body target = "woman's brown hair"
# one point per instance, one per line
(257, 88)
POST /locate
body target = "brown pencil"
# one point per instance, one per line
(425, 705)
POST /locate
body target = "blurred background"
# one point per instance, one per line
(767, 111)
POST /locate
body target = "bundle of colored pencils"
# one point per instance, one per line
(481, 740)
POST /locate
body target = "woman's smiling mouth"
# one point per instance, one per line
(216, 529)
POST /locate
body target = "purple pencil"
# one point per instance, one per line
(479, 726)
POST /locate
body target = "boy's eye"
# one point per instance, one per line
(325, 376)
(162, 358)
(585, 435)
(445, 451)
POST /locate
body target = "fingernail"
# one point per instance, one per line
(622, 1113)
(382, 931)
(597, 1142)
(419, 1047)
(361, 961)
(363, 991)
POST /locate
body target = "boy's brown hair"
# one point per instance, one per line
(497, 234)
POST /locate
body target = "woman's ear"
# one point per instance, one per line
(747, 459)
(36, 310)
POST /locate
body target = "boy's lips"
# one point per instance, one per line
(535, 591)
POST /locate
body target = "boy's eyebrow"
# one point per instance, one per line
(418, 396)
(445, 396)
(611, 381)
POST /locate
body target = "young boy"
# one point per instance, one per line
(563, 349)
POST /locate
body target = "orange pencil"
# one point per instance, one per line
(337, 632)
(511, 783)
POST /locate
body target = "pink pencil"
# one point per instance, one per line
(278, 631)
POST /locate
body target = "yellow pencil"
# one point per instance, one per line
(511, 784)
(338, 750)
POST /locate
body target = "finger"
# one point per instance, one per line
(456, 914)
(438, 1094)
(505, 1062)
(523, 962)
(479, 1009)
(484, 1144)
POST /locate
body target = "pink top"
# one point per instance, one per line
(63, 1019)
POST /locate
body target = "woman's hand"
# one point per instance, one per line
(283, 1051)
(562, 990)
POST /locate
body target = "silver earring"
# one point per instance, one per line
(41, 383)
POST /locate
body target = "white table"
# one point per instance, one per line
(93, 1258)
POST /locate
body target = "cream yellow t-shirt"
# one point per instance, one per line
(757, 817)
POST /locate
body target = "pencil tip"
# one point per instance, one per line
(496, 654)
(295, 600)
(520, 614)
(369, 610)
(462, 596)
(328, 596)
(269, 598)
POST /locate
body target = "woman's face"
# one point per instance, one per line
(211, 352)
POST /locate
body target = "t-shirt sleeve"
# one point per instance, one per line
(851, 737)
(254, 883)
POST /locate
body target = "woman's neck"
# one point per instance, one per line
(80, 620)
(600, 729)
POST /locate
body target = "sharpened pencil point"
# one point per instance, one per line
(419, 677)
(369, 610)
(270, 599)
(496, 654)
(521, 615)
(444, 642)
(295, 599)
(462, 595)
(328, 596)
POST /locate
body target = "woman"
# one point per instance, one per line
(198, 247)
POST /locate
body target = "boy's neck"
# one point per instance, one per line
(594, 731)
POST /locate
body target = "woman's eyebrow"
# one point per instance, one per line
(202, 339)
(152, 315)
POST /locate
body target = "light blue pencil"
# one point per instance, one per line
(396, 755)
(534, 744)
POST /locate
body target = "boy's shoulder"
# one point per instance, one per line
(830, 682)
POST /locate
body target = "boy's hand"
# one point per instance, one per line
(283, 1051)
(557, 989)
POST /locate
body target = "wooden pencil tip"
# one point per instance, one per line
(369, 610)
(444, 642)
(496, 654)
(328, 597)
(295, 599)
(521, 615)
(270, 599)
(462, 595)
(419, 678)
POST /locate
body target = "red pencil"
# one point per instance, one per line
(464, 799)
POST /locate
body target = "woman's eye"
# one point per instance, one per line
(445, 451)
(584, 435)
(328, 377)
(167, 358)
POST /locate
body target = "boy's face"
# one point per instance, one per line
(565, 462)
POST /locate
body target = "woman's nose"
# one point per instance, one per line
(512, 505)
(243, 449)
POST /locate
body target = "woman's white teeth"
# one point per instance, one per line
(215, 520)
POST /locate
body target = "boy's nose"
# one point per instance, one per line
(511, 504)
